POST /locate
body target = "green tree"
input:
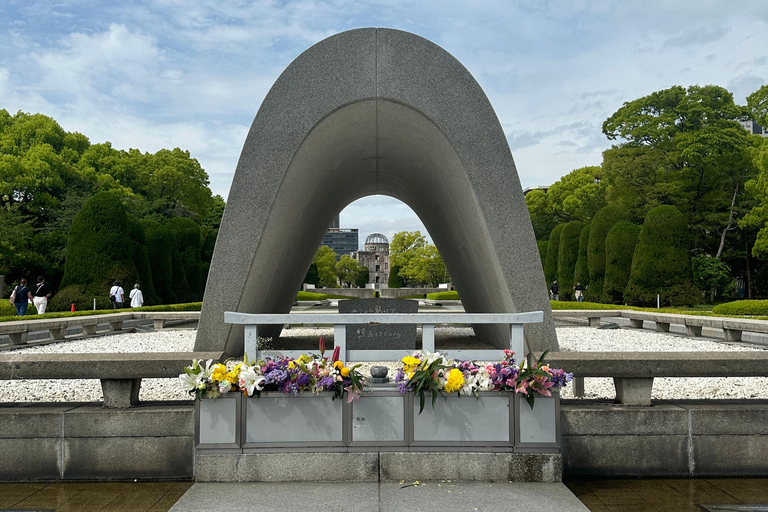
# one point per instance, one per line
(543, 245)
(395, 279)
(712, 276)
(541, 213)
(362, 277)
(325, 260)
(553, 253)
(620, 245)
(581, 274)
(312, 277)
(425, 267)
(683, 147)
(347, 270)
(187, 236)
(160, 244)
(99, 250)
(141, 261)
(757, 103)
(578, 195)
(568, 253)
(598, 230)
(402, 249)
(661, 264)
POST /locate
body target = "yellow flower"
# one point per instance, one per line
(338, 365)
(291, 365)
(410, 375)
(410, 363)
(234, 374)
(219, 372)
(455, 381)
(345, 372)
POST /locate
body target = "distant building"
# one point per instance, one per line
(754, 128)
(376, 258)
(540, 187)
(342, 241)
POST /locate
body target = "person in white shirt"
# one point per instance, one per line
(116, 295)
(137, 298)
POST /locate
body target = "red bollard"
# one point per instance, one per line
(73, 307)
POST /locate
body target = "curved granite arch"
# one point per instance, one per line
(374, 111)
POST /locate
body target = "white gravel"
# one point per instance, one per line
(583, 339)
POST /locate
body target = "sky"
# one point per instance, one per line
(192, 73)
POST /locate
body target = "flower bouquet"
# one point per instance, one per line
(425, 372)
(309, 372)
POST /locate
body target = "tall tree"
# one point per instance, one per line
(325, 260)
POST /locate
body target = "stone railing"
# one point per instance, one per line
(633, 372)
(120, 373)
(17, 330)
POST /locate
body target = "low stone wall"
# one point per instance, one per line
(71, 441)
(155, 441)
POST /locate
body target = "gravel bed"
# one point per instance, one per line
(583, 339)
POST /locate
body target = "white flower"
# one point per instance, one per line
(225, 386)
(251, 379)
(188, 381)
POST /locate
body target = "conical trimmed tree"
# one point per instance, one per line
(160, 244)
(553, 253)
(619, 248)
(187, 235)
(568, 253)
(141, 260)
(661, 264)
(581, 274)
(543, 245)
(601, 223)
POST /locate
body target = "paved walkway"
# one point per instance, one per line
(380, 497)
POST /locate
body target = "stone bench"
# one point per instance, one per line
(120, 373)
(633, 372)
(732, 327)
(160, 318)
(592, 315)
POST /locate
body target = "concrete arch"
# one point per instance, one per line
(374, 111)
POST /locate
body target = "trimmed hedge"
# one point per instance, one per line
(742, 307)
(186, 233)
(619, 248)
(567, 256)
(302, 296)
(662, 261)
(581, 274)
(159, 244)
(141, 260)
(99, 251)
(553, 254)
(449, 295)
(601, 223)
(542, 246)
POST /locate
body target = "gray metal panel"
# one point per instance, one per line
(463, 419)
(217, 426)
(378, 419)
(537, 429)
(305, 418)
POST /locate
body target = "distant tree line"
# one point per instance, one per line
(84, 215)
(678, 208)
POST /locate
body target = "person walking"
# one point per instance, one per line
(116, 295)
(554, 291)
(578, 291)
(41, 293)
(137, 298)
(20, 298)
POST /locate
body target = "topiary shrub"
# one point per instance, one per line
(567, 256)
(661, 263)
(601, 223)
(619, 248)
(99, 249)
(542, 246)
(187, 235)
(362, 277)
(141, 260)
(581, 274)
(743, 307)
(553, 253)
(159, 245)
(82, 297)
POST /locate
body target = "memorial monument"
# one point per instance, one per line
(364, 112)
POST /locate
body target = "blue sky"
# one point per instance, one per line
(192, 73)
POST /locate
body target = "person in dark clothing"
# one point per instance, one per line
(578, 291)
(21, 299)
(554, 291)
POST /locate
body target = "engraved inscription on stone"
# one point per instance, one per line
(378, 336)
